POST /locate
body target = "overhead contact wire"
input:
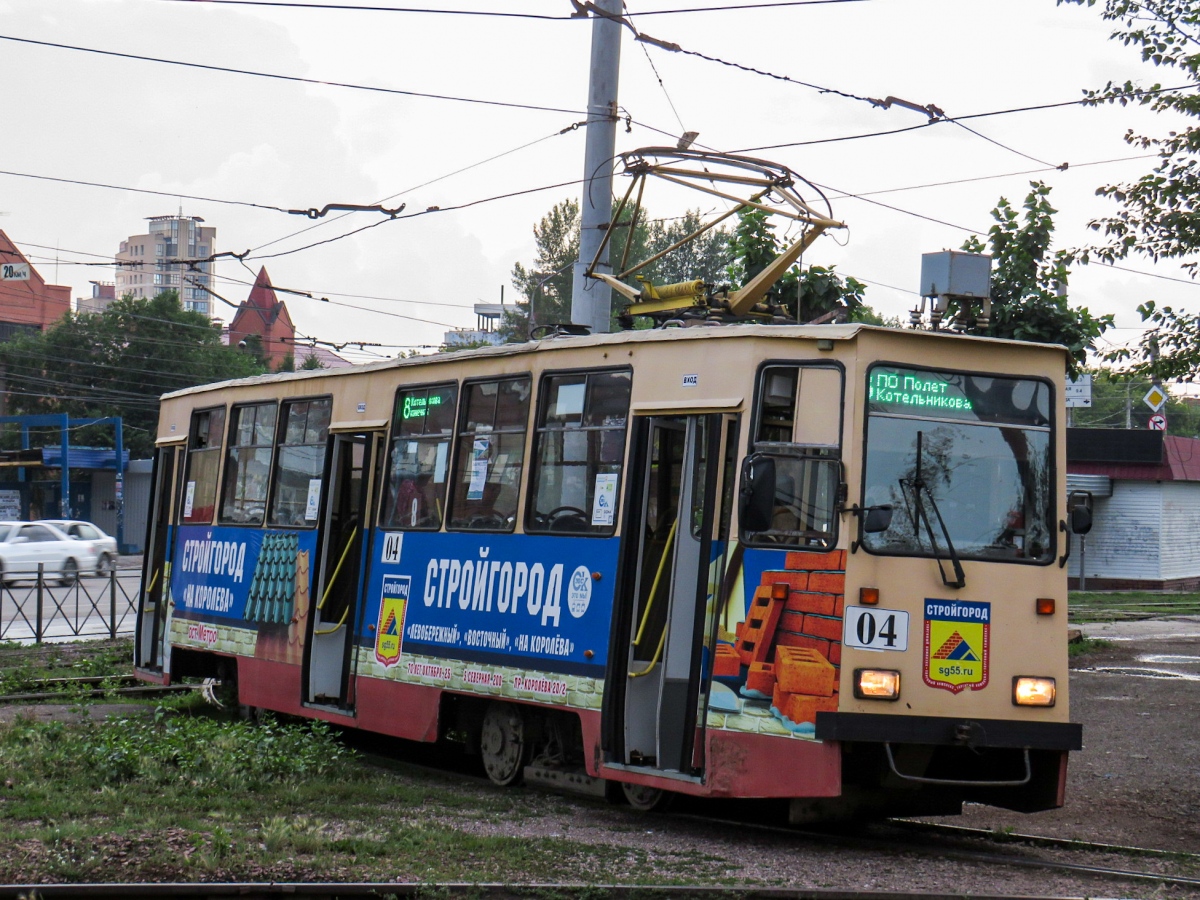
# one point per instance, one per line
(290, 78)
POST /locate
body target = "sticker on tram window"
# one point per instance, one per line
(313, 502)
(479, 469)
(605, 501)
(875, 629)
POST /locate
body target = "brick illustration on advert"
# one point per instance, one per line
(777, 660)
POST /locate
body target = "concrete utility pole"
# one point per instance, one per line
(591, 300)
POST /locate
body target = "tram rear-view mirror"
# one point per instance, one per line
(1080, 504)
(877, 519)
(756, 501)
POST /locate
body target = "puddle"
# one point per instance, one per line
(1136, 670)
(1142, 672)
(1170, 660)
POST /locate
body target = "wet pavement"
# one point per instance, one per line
(1166, 648)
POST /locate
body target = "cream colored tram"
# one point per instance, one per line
(820, 563)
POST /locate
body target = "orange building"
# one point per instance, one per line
(27, 302)
(265, 316)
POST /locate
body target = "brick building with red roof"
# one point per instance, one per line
(265, 316)
(27, 304)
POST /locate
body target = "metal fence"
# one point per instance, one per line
(34, 607)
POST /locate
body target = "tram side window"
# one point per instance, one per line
(797, 436)
(422, 429)
(580, 445)
(491, 454)
(203, 466)
(300, 462)
(248, 464)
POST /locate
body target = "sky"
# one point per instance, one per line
(92, 142)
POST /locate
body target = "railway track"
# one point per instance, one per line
(914, 837)
(541, 891)
(1034, 840)
(935, 841)
(96, 686)
(895, 837)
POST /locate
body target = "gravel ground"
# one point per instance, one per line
(1137, 780)
(1136, 783)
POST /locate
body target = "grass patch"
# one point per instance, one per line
(1087, 645)
(24, 667)
(170, 797)
(1118, 606)
(184, 793)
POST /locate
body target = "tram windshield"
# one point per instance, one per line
(964, 460)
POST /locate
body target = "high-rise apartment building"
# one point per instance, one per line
(170, 257)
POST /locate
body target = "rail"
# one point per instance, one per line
(35, 606)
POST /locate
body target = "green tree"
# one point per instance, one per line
(1117, 402)
(547, 285)
(1158, 216)
(118, 363)
(1159, 213)
(705, 257)
(805, 294)
(1029, 282)
(311, 362)
(252, 345)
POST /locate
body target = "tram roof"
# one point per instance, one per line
(845, 332)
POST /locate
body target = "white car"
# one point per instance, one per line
(25, 545)
(98, 550)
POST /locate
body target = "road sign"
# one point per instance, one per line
(1155, 398)
(1158, 422)
(14, 271)
(1079, 392)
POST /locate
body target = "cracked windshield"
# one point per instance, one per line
(969, 451)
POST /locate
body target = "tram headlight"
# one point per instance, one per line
(1030, 690)
(876, 684)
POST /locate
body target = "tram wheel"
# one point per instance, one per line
(645, 799)
(502, 743)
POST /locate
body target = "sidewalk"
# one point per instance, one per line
(1144, 629)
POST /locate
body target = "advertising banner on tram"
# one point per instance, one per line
(522, 600)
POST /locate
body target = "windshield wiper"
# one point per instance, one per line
(919, 486)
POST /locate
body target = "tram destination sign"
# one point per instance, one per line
(965, 396)
(917, 390)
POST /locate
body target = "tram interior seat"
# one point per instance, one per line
(494, 510)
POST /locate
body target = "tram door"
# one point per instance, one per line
(338, 587)
(153, 647)
(669, 527)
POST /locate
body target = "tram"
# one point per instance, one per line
(819, 563)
